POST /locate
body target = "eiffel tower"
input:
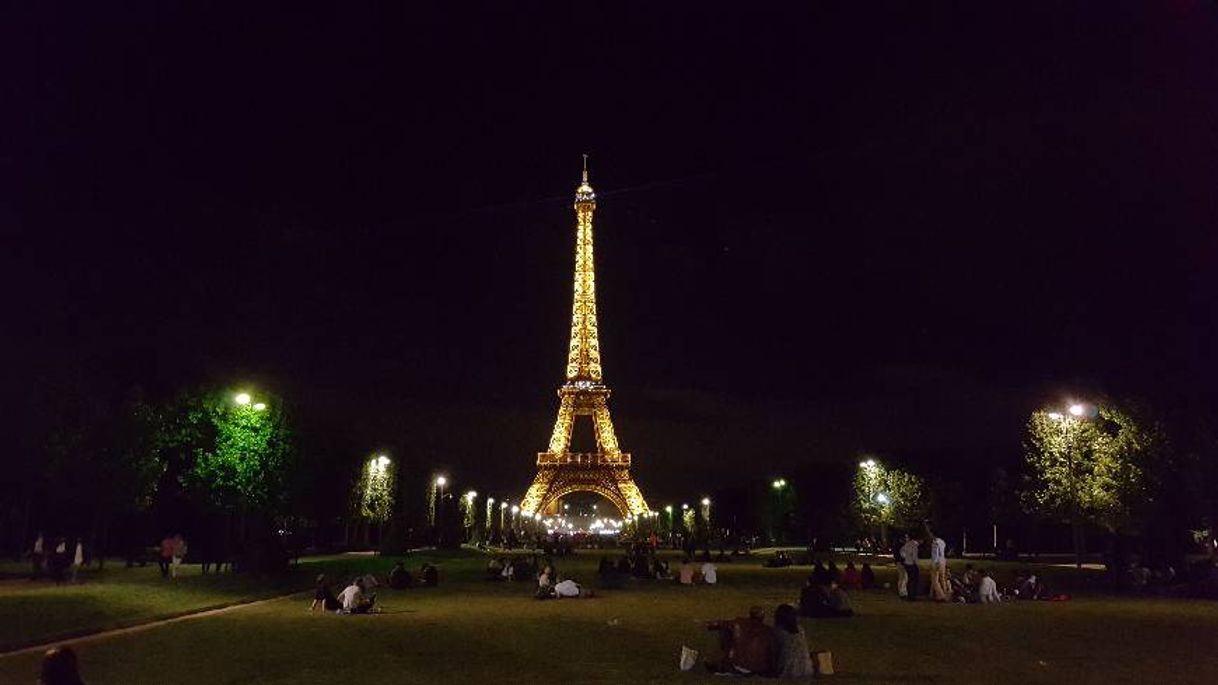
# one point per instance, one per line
(605, 472)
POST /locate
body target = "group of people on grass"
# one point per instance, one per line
(54, 560)
(358, 596)
(748, 646)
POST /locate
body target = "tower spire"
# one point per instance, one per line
(584, 194)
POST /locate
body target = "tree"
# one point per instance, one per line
(886, 496)
(1089, 464)
(231, 451)
(376, 489)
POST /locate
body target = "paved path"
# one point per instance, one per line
(104, 634)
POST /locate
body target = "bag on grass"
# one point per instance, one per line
(689, 657)
(823, 663)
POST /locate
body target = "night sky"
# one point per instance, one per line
(819, 231)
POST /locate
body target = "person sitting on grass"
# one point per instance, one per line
(867, 576)
(354, 600)
(794, 657)
(824, 601)
(1027, 586)
(748, 645)
(323, 596)
(60, 667)
(430, 575)
(685, 574)
(851, 578)
(569, 589)
(399, 577)
(494, 569)
(820, 575)
(659, 569)
(987, 589)
(710, 573)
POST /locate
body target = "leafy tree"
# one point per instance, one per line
(1090, 465)
(230, 455)
(886, 496)
(101, 461)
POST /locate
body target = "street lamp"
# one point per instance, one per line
(1077, 410)
(882, 498)
(242, 398)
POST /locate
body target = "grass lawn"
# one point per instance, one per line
(468, 630)
(119, 596)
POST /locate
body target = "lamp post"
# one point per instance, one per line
(872, 472)
(777, 527)
(1071, 422)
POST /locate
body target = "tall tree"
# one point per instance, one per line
(886, 497)
(1089, 465)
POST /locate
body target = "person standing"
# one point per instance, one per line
(902, 576)
(940, 589)
(38, 556)
(909, 561)
(166, 556)
(179, 553)
(78, 559)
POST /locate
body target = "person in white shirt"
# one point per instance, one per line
(909, 561)
(566, 588)
(710, 573)
(78, 559)
(987, 589)
(940, 587)
(353, 600)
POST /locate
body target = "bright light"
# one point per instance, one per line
(490, 500)
(515, 509)
(382, 460)
(1056, 416)
(777, 484)
(684, 506)
(706, 501)
(242, 398)
(260, 406)
(566, 507)
(441, 481)
(668, 508)
(471, 495)
(503, 505)
(1077, 410)
(536, 517)
(593, 507)
(881, 498)
(869, 464)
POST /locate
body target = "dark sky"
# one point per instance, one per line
(819, 230)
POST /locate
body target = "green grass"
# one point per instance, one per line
(117, 596)
(469, 630)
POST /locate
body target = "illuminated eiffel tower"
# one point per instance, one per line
(606, 471)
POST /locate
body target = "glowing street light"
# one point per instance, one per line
(441, 481)
(706, 501)
(515, 510)
(242, 398)
(503, 505)
(684, 506)
(1077, 410)
(882, 498)
(1056, 415)
(668, 508)
(471, 496)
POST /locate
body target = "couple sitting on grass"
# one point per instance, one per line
(750, 647)
(547, 588)
(356, 598)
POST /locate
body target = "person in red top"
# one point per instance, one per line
(166, 558)
(851, 578)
